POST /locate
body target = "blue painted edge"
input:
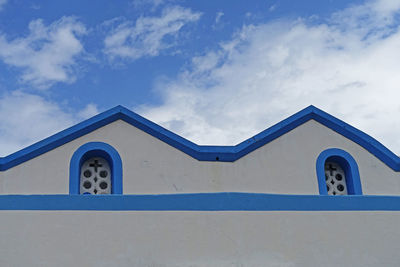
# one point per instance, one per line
(201, 202)
(349, 165)
(204, 153)
(95, 149)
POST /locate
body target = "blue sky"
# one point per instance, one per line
(215, 72)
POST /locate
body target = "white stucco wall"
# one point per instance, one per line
(198, 239)
(150, 166)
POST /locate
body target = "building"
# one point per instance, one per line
(119, 190)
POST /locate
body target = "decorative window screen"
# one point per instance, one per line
(95, 177)
(335, 179)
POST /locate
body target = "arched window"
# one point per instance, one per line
(337, 173)
(95, 168)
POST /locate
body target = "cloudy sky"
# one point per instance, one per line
(215, 72)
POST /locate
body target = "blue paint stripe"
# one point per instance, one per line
(204, 153)
(201, 202)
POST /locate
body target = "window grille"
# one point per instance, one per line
(95, 177)
(335, 179)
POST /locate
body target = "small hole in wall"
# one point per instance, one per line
(217, 158)
(87, 184)
(103, 174)
(103, 185)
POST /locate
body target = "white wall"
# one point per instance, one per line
(285, 165)
(198, 239)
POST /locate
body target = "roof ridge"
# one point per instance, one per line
(204, 152)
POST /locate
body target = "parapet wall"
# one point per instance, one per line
(199, 238)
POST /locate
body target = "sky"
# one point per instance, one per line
(215, 72)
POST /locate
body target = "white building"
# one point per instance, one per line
(119, 190)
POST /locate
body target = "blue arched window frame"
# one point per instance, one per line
(90, 150)
(349, 166)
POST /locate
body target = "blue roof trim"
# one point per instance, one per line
(59, 139)
(359, 137)
(201, 202)
(204, 153)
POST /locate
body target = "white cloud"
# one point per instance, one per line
(24, 113)
(153, 4)
(348, 66)
(219, 23)
(2, 3)
(48, 54)
(89, 111)
(218, 17)
(147, 36)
